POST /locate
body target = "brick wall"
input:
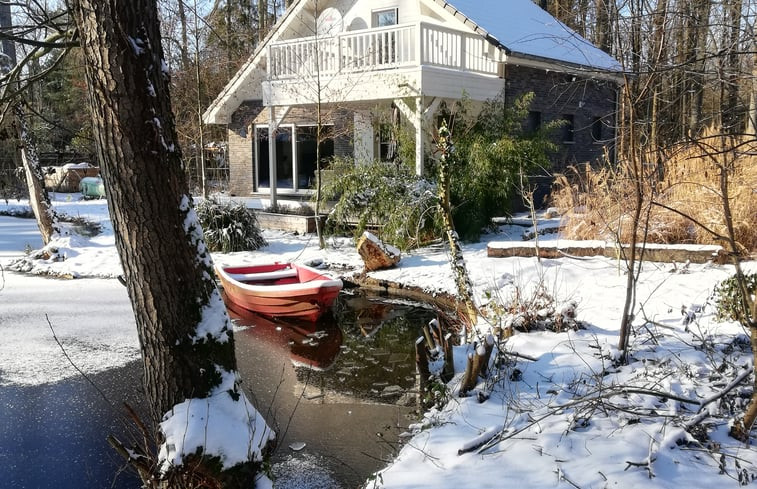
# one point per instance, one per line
(590, 102)
(241, 146)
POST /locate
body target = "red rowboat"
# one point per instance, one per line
(280, 289)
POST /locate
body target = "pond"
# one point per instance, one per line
(339, 391)
(343, 387)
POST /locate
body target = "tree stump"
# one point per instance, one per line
(375, 253)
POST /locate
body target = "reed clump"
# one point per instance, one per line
(682, 198)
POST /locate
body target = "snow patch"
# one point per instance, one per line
(212, 425)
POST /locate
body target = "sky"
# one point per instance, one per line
(564, 411)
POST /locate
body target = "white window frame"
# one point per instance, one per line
(295, 159)
(375, 16)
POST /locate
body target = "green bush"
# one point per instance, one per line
(728, 298)
(387, 198)
(229, 227)
(492, 154)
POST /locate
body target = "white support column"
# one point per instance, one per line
(272, 125)
(419, 136)
(364, 152)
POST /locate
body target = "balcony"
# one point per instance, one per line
(388, 48)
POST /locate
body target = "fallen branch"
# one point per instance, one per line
(480, 440)
(701, 413)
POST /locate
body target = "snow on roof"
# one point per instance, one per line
(524, 28)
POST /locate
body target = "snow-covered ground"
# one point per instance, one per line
(564, 411)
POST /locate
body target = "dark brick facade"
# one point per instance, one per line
(241, 144)
(590, 102)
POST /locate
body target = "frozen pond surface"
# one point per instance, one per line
(342, 393)
(54, 435)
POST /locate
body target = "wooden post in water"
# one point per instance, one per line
(421, 365)
(488, 347)
(476, 361)
(449, 358)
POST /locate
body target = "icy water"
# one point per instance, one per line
(54, 435)
(338, 394)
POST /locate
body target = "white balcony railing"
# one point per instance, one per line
(380, 49)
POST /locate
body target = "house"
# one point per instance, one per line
(357, 59)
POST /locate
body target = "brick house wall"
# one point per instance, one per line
(590, 102)
(241, 139)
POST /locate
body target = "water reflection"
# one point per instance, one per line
(344, 386)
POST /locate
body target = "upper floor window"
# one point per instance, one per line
(384, 17)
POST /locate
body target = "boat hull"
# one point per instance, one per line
(280, 290)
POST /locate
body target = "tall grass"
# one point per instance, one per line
(597, 202)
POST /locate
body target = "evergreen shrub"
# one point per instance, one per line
(400, 207)
(229, 227)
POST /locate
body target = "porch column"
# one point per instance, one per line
(363, 138)
(272, 126)
(419, 136)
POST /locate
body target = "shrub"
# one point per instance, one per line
(728, 298)
(229, 227)
(495, 157)
(594, 201)
(400, 206)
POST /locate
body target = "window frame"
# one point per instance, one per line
(294, 132)
(375, 16)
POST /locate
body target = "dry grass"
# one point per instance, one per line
(598, 203)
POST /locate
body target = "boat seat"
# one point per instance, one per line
(262, 276)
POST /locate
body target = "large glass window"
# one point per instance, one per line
(295, 155)
(284, 158)
(306, 153)
(261, 143)
(386, 42)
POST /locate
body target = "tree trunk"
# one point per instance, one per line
(39, 200)
(751, 123)
(6, 21)
(262, 19)
(184, 48)
(457, 261)
(603, 28)
(185, 334)
(732, 110)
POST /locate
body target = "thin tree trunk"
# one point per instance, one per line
(262, 19)
(47, 219)
(457, 261)
(184, 48)
(39, 200)
(185, 334)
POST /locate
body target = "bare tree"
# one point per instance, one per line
(11, 95)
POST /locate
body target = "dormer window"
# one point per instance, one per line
(384, 17)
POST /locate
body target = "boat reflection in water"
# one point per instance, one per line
(344, 386)
(314, 345)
